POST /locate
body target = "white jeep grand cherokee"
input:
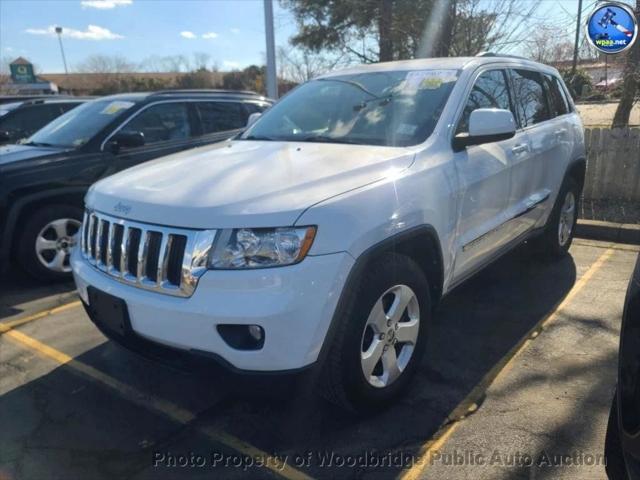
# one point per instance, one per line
(326, 233)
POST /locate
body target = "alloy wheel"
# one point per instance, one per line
(390, 336)
(55, 242)
(567, 218)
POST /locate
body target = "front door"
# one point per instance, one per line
(484, 178)
(166, 127)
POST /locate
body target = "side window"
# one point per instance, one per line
(489, 91)
(556, 99)
(530, 97)
(255, 107)
(221, 116)
(27, 120)
(162, 122)
(65, 107)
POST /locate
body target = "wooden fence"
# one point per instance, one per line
(613, 165)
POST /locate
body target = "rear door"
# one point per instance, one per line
(220, 120)
(530, 190)
(484, 172)
(167, 128)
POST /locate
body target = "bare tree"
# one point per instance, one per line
(106, 64)
(631, 83)
(201, 60)
(302, 65)
(539, 48)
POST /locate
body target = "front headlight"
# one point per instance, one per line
(261, 247)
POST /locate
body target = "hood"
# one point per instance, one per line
(243, 183)
(16, 153)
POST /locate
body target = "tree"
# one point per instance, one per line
(631, 83)
(106, 64)
(300, 65)
(382, 30)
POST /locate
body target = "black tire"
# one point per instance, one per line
(343, 380)
(614, 456)
(26, 240)
(549, 243)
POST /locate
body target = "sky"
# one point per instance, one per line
(230, 31)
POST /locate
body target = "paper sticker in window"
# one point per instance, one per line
(427, 80)
(116, 106)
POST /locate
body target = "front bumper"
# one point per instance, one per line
(294, 305)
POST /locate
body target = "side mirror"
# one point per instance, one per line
(126, 140)
(486, 125)
(253, 118)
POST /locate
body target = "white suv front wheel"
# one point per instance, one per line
(380, 337)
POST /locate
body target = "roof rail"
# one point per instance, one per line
(203, 90)
(504, 55)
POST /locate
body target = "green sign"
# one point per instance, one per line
(22, 73)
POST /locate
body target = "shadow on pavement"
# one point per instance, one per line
(61, 423)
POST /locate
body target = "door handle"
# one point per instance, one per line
(520, 149)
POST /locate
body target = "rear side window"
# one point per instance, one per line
(255, 108)
(23, 122)
(530, 97)
(557, 101)
(161, 123)
(489, 91)
(221, 116)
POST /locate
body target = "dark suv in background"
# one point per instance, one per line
(43, 181)
(20, 120)
(622, 445)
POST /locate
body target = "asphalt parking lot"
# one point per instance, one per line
(521, 363)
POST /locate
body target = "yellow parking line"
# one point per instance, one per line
(6, 326)
(163, 407)
(501, 368)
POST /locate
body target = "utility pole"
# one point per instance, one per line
(576, 49)
(64, 60)
(272, 81)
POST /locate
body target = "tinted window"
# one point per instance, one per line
(489, 91)
(530, 97)
(161, 123)
(221, 116)
(556, 99)
(81, 124)
(255, 108)
(65, 107)
(25, 121)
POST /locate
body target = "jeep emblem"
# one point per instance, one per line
(122, 208)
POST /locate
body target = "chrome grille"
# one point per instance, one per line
(162, 259)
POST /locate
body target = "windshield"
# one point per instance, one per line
(396, 108)
(78, 126)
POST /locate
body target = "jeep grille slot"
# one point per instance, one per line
(146, 256)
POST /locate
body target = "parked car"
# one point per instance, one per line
(622, 444)
(327, 232)
(43, 181)
(20, 120)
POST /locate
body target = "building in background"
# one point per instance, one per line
(23, 81)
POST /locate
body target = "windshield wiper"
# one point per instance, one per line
(39, 144)
(327, 139)
(260, 137)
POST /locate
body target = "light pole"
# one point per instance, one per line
(64, 60)
(272, 81)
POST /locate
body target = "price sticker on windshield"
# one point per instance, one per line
(115, 107)
(427, 80)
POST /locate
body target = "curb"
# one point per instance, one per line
(608, 231)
